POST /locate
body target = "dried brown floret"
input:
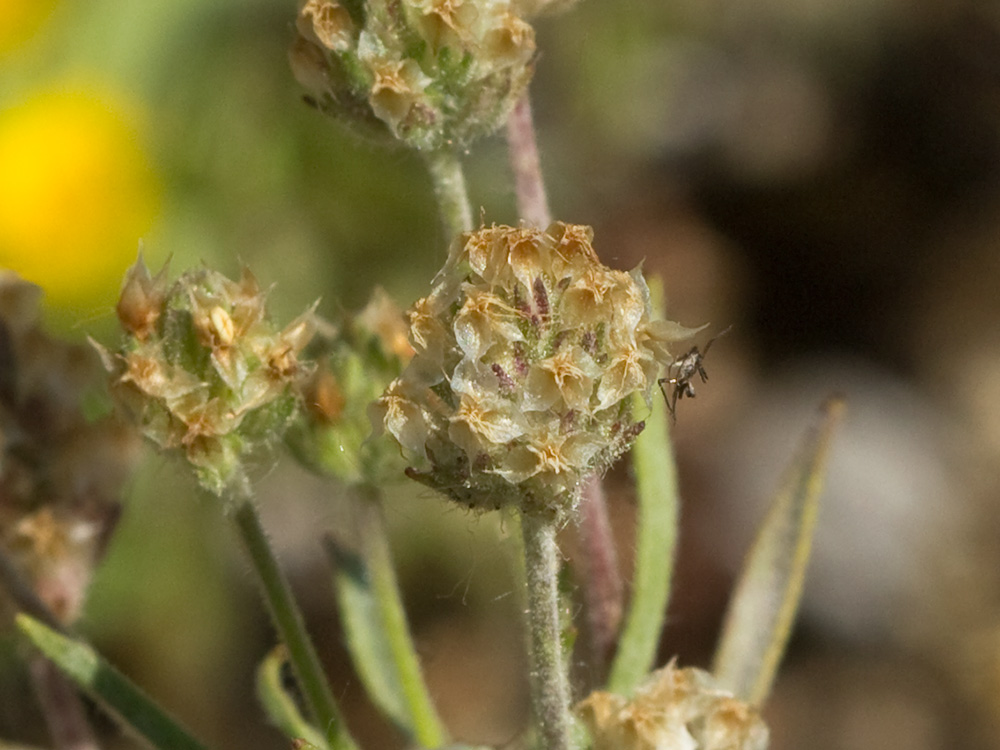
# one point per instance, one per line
(674, 708)
(431, 73)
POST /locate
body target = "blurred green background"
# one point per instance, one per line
(823, 175)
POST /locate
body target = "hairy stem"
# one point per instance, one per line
(290, 625)
(529, 186)
(550, 693)
(449, 187)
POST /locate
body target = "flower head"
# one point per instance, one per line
(529, 356)
(430, 73)
(203, 370)
(680, 709)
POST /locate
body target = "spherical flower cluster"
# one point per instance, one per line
(61, 473)
(529, 357)
(431, 73)
(203, 369)
(680, 709)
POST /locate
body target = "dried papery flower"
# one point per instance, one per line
(357, 360)
(431, 73)
(530, 356)
(679, 709)
(61, 474)
(206, 372)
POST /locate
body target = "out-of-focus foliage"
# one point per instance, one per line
(20, 20)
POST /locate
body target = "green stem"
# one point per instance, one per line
(449, 188)
(656, 539)
(550, 693)
(427, 727)
(291, 628)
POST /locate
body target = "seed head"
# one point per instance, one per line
(430, 73)
(529, 356)
(675, 708)
(203, 370)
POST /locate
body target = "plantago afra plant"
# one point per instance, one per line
(527, 370)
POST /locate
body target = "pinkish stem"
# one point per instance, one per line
(602, 582)
(532, 204)
(62, 707)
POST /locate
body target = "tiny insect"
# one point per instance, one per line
(682, 371)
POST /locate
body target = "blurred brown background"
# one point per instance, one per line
(822, 176)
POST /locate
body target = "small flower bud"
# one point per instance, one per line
(431, 73)
(356, 362)
(141, 300)
(674, 708)
(328, 23)
(206, 372)
(529, 356)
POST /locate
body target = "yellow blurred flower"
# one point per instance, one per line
(77, 192)
(20, 19)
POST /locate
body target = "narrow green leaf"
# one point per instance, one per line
(279, 705)
(365, 639)
(378, 636)
(766, 597)
(81, 664)
(656, 536)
